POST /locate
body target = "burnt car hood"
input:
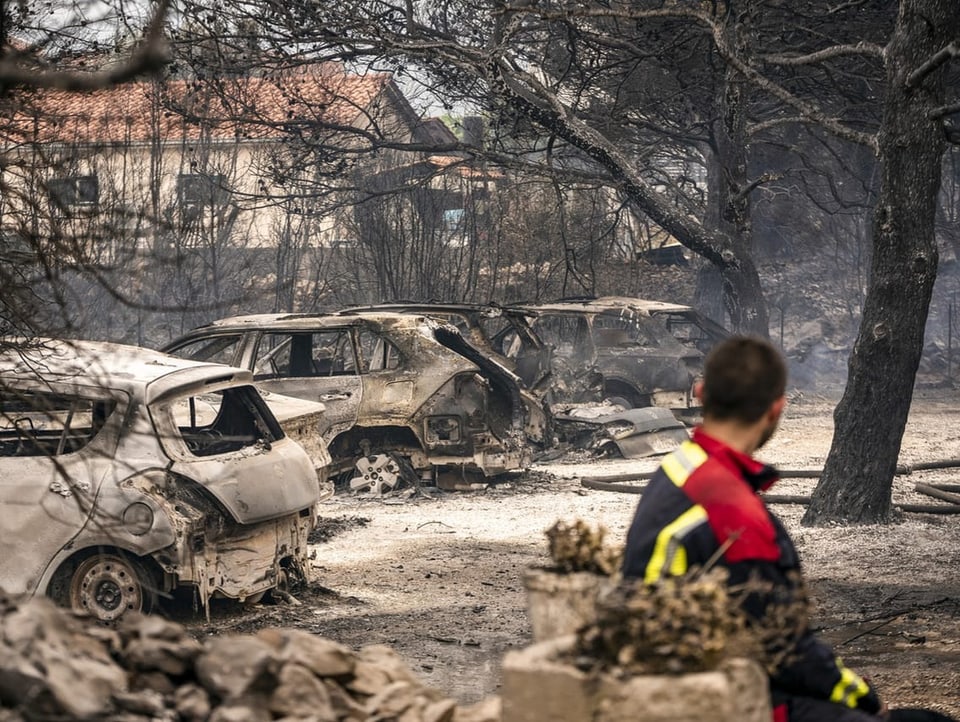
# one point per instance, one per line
(637, 433)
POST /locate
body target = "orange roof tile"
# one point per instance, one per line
(257, 107)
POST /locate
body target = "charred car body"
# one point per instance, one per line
(630, 351)
(401, 405)
(611, 369)
(126, 473)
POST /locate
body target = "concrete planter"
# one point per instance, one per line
(560, 603)
(539, 687)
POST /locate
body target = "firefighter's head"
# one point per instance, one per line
(744, 380)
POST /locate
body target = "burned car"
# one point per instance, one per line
(615, 371)
(402, 407)
(496, 332)
(126, 474)
(629, 351)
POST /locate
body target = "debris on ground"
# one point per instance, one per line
(328, 527)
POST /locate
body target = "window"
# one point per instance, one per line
(74, 192)
(220, 350)
(47, 424)
(202, 189)
(304, 354)
(378, 353)
(568, 335)
(453, 219)
(225, 421)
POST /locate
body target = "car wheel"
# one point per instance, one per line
(107, 586)
(380, 473)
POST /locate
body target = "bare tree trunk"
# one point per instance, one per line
(871, 417)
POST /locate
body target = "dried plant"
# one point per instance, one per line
(677, 626)
(578, 547)
(688, 624)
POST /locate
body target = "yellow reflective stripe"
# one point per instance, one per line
(669, 555)
(849, 690)
(684, 461)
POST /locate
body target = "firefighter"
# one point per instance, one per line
(702, 507)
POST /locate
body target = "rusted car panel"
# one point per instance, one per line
(301, 420)
(475, 326)
(400, 404)
(124, 472)
(501, 333)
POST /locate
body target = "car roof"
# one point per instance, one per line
(605, 304)
(428, 307)
(304, 321)
(143, 372)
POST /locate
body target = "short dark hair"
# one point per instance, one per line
(742, 377)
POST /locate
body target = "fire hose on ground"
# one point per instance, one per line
(949, 493)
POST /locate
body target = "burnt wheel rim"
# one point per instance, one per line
(106, 588)
(376, 474)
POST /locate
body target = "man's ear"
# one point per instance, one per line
(698, 391)
(777, 407)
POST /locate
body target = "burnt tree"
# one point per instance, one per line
(870, 419)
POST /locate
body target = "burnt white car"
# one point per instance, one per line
(408, 401)
(126, 474)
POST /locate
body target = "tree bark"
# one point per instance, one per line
(857, 480)
(742, 294)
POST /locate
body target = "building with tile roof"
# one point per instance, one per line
(169, 152)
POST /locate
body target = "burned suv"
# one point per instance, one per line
(633, 352)
(613, 372)
(126, 474)
(401, 405)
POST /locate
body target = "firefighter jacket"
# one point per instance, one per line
(701, 507)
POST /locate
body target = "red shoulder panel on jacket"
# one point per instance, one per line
(733, 511)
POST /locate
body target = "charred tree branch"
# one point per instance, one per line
(837, 51)
(149, 56)
(935, 61)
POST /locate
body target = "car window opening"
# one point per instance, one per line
(41, 424)
(223, 422)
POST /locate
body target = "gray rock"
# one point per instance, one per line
(324, 657)
(170, 657)
(79, 675)
(391, 663)
(154, 681)
(440, 711)
(300, 694)
(489, 709)
(344, 705)
(240, 712)
(192, 702)
(368, 679)
(392, 700)
(145, 702)
(20, 681)
(231, 666)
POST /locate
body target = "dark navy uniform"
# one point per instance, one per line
(702, 506)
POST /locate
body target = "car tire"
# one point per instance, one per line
(109, 585)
